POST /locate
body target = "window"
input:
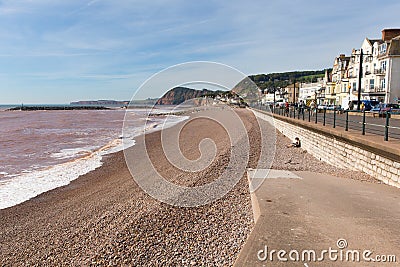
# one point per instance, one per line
(383, 83)
(371, 84)
(382, 48)
(354, 86)
(383, 65)
(367, 70)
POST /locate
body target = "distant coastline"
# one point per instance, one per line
(55, 107)
(105, 103)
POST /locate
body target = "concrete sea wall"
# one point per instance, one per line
(369, 154)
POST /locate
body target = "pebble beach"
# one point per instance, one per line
(104, 218)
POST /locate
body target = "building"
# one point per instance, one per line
(376, 64)
(291, 93)
(269, 97)
(389, 65)
(337, 85)
(312, 91)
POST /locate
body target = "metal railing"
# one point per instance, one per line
(380, 123)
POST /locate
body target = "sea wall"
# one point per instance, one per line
(343, 149)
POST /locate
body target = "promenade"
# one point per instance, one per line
(306, 210)
(374, 123)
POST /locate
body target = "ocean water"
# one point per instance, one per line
(43, 150)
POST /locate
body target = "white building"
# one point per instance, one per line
(269, 97)
(380, 65)
(389, 65)
(311, 91)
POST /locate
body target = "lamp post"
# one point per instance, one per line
(359, 80)
(360, 73)
(274, 89)
(274, 95)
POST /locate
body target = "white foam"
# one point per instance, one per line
(28, 185)
(19, 188)
(72, 152)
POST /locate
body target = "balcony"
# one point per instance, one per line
(376, 89)
(380, 71)
(367, 72)
(379, 89)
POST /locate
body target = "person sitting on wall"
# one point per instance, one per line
(296, 143)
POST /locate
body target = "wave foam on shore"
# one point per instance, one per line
(22, 187)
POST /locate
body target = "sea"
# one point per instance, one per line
(43, 150)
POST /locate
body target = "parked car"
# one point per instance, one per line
(368, 104)
(334, 107)
(382, 108)
(330, 107)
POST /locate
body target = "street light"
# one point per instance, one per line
(274, 89)
(360, 73)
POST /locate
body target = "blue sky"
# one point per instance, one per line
(61, 51)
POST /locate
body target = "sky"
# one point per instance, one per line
(61, 51)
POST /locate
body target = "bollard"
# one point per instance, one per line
(324, 116)
(309, 115)
(387, 126)
(334, 118)
(347, 121)
(363, 123)
(316, 115)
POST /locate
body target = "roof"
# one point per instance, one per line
(372, 41)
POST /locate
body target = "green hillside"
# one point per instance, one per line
(283, 79)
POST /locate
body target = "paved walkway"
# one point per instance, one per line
(302, 212)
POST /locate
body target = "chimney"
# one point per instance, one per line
(389, 34)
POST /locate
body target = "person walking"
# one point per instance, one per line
(362, 106)
(313, 107)
(302, 105)
(351, 105)
(287, 108)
